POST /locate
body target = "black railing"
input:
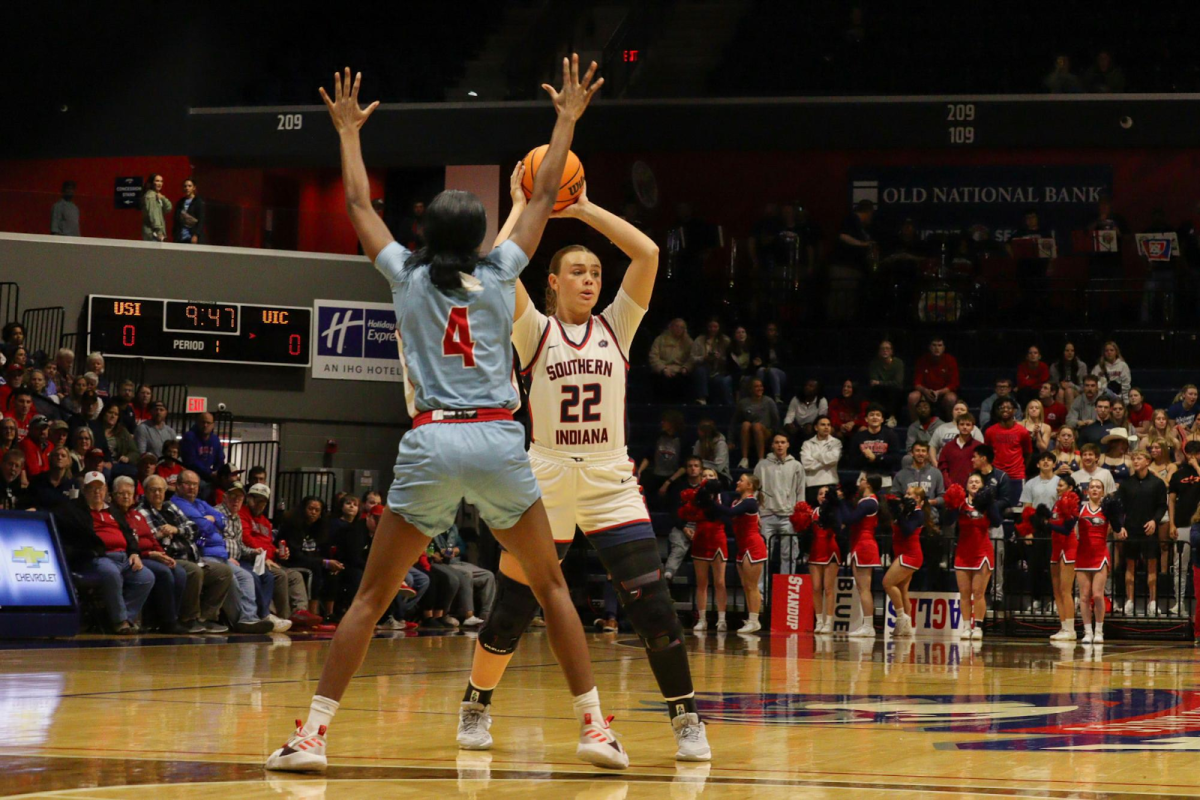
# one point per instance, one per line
(73, 342)
(263, 454)
(119, 370)
(174, 396)
(43, 329)
(294, 485)
(10, 302)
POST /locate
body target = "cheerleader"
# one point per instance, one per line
(912, 514)
(864, 517)
(710, 547)
(1063, 554)
(974, 555)
(824, 555)
(741, 508)
(1097, 516)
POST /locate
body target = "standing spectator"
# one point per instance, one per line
(820, 456)
(712, 448)
(1144, 498)
(1002, 498)
(781, 478)
(1067, 375)
(875, 449)
(100, 546)
(855, 253)
(152, 434)
(1032, 269)
(756, 419)
(1098, 429)
(1083, 410)
(1055, 413)
(1113, 373)
(1066, 457)
(1003, 391)
(936, 379)
(921, 474)
(1116, 455)
(804, 409)
(680, 538)
(1061, 80)
(768, 357)
(671, 361)
(922, 428)
(664, 459)
(189, 215)
(848, 411)
(1104, 77)
(1012, 445)
(885, 379)
(1090, 469)
(955, 456)
(202, 450)
(477, 586)
(948, 430)
(155, 208)
(1040, 431)
(1183, 501)
(1138, 411)
(1184, 410)
(710, 353)
(64, 216)
(1031, 374)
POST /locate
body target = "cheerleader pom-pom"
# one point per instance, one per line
(1025, 526)
(954, 497)
(801, 517)
(1067, 506)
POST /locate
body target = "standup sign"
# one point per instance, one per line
(792, 604)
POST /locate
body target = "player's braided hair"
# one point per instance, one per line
(555, 268)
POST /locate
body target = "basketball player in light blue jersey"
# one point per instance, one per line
(454, 314)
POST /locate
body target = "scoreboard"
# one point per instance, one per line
(199, 330)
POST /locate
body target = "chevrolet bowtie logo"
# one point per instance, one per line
(31, 556)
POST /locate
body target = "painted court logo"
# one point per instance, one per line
(1111, 720)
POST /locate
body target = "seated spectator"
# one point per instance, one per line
(306, 534)
(1103, 77)
(102, 547)
(169, 466)
(171, 580)
(662, 463)
(210, 524)
(202, 450)
(875, 449)
(712, 448)
(227, 475)
(737, 363)
(177, 534)
(1061, 80)
(247, 556)
(769, 357)
(936, 379)
(154, 432)
(1162, 431)
(95, 365)
(1120, 419)
(53, 381)
(35, 447)
(1138, 411)
(671, 361)
(356, 550)
(14, 493)
(82, 443)
(56, 485)
(955, 456)
(804, 409)
(291, 589)
(1003, 390)
(18, 356)
(1066, 457)
(20, 408)
(90, 406)
(1083, 410)
(1116, 454)
(710, 353)
(885, 379)
(1040, 432)
(1067, 375)
(12, 335)
(370, 499)
(477, 586)
(14, 377)
(72, 403)
(123, 397)
(64, 363)
(8, 434)
(346, 513)
(921, 473)
(147, 465)
(58, 433)
(1054, 412)
(1113, 373)
(121, 447)
(142, 407)
(1090, 469)
(1184, 409)
(1031, 374)
(1097, 430)
(755, 421)
(680, 539)
(43, 403)
(1011, 445)
(922, 428)
(848, 411)
(819, 456)
(443, 590)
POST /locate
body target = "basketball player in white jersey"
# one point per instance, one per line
(576, 362)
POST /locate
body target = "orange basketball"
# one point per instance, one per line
(572, 177)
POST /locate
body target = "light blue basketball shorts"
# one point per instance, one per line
(441, 464)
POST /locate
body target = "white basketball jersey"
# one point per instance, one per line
(577, 376)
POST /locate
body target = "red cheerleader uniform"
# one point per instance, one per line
(750, 544)
(906, 541)
(1092, 553)
(1064, 545)
(825, 548)
(710, 539)
(974, 543)
(864, 519)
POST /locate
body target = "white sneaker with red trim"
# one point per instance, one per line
(598, 745)
(304, 752)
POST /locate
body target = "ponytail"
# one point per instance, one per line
(444, 267)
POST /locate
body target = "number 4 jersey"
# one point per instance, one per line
(577, 376)
(454, 346)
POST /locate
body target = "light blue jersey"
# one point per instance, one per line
(455, 348)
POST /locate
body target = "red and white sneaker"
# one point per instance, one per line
(406, 591)
(598, 745)
(304, 752)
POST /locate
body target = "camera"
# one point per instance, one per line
(220, 406)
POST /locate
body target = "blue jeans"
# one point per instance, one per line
(264, 587)
(239, 603)
(720, 386)
(419, 581)
(169, 586)
(773, 379)
(124, 590)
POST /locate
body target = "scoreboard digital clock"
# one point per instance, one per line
(194, 330)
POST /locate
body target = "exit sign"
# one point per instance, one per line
(629, 56)
(197, 405)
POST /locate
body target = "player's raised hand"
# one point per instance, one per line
(343, 108)
(514, 185)
(572, 100)
(576, 209)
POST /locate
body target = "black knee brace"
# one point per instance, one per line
(636, 572)
(511, 614)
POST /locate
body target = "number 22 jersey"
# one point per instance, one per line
(577, 376)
